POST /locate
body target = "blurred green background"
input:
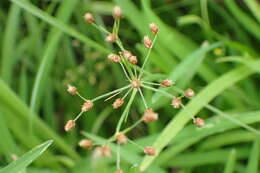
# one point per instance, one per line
(211, 46)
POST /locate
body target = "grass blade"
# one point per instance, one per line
(252, 165)
(196, 104)
(26, 159)
(230, 165)
(60, 25)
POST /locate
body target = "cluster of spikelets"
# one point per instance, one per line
(134, 76)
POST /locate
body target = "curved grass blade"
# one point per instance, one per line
(196, 104)
(26, 159)
(252, 165)
(231, 162)
(60, 25)
(247, 22)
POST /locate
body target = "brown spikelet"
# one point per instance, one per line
(106, 151)
(111, 38)
(149, 116)
(176, 102)
(121, 138)
(69, 125)
(118, 103)
(189, 93)
(89, 18)
(133, 59)
(119, 171)
(87, 105)
(148, 42)
(86, 143)
(166, 83)
(154, 28)
(199, 122)
(117, 12)
(151, 151)
(127, 54)
(72, 90)
(114, 57)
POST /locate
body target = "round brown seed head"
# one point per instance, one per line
(114, 57)
(98, 151)
(72, 90)
(154, 28)
(69, 125)
(111, 38)
(118, 103)
(199, 122)
(149, 116)
(121, 138)
(136, 83)
(149, 151)
(148, 42)
(89, 18)
(133, 59)
(87, 105)
(127, 54)
(106, 151)
(176, 102)
(86, 143)
(166, 83)
(189, 93)
(117, 12)
(119, 171)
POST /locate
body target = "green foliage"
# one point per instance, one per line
(209, 46)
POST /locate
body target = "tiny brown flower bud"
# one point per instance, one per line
(176, 102)
(127, 54)
(87, 105)
(106, 151)
(189, 93)
(118, 103)
(150, 116)
(166, 83)
(89, 18)
(119, 171)
(148, 42)
(85, 143)
(114, 57)
(111, 38)
(133, 59)
(149, 151)
(117, 13)
(72, 90)
(121, 138)
(199, 122)
(98, 151)
(154, 28)
(69, 125)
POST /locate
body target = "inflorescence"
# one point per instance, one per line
(136, 84)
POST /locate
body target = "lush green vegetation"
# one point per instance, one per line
(208, 45)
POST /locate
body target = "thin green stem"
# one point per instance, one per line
(118, 157)
(100, 28)
(126, 111)
(145, 104)
(113, 96)
(126, 94)
(112, 92)
(160, 91)
(79, 115)
(132, 126)
(128, 78)
(151, 83)
(83, 98)
(146, 58)
(135, 144)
